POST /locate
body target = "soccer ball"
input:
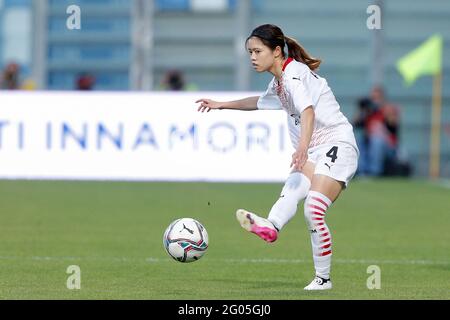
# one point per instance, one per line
(185, 240)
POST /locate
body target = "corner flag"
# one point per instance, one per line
(427, 60)
(424, 60)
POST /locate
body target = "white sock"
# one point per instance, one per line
(316, 205)
(295, 189)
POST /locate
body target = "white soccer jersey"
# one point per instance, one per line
(299, 88)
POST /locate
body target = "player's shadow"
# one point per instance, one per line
(273, 289)
(263, 285)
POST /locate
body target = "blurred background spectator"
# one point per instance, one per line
(10, 77)
(174, 80)
(85, 82)
(377, 122)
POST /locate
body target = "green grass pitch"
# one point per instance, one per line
(113, 232)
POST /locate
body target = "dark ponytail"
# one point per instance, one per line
(297, 52)
(272, 36)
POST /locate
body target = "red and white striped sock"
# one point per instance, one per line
(316, 205)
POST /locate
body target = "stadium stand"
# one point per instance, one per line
(203, 45)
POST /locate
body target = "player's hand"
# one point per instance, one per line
(208, 104)
(299, 159)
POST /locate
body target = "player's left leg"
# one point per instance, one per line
(336, 164)
(324, 191)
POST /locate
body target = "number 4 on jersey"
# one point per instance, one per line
(332, 154)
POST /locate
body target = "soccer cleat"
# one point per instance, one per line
(319, 284)
(263, 228)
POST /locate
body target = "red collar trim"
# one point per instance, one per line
(288, 60)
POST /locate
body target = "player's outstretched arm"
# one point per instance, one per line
(246, 104)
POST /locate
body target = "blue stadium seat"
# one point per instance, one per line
(101, 47)
(172, 5)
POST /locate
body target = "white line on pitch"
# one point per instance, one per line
(256, 261)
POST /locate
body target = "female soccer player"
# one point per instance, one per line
(326, 155)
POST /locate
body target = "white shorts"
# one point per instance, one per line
(336, 160)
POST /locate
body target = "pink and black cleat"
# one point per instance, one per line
(263, 228)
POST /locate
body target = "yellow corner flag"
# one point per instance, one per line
(424, 60)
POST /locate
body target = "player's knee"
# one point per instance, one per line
(296, 187)
(315, 208)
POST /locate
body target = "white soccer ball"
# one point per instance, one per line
(186, 240)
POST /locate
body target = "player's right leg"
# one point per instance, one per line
(295, 189)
